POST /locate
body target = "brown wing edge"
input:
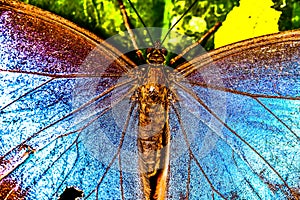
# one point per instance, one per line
(53, 18)
(218, 54)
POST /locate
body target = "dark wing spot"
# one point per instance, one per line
(71, 193)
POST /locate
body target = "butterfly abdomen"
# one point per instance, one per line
(153, 134)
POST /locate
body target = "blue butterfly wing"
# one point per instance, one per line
(56, 97)
(246, 108)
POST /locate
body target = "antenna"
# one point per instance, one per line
(178, 20)
(136, 12)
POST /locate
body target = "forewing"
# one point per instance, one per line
(58, 84)
(245, 103)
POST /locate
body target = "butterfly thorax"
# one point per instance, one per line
(153, 98)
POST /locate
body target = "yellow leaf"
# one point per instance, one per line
(252, 18)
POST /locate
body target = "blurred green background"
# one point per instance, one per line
(241, 19)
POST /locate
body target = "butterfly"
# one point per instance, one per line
(72, 105)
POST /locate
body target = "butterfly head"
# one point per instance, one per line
(156, 55)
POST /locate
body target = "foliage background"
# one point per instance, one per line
(240, 20)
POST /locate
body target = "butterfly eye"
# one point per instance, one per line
(149, 50)
(164, 51)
